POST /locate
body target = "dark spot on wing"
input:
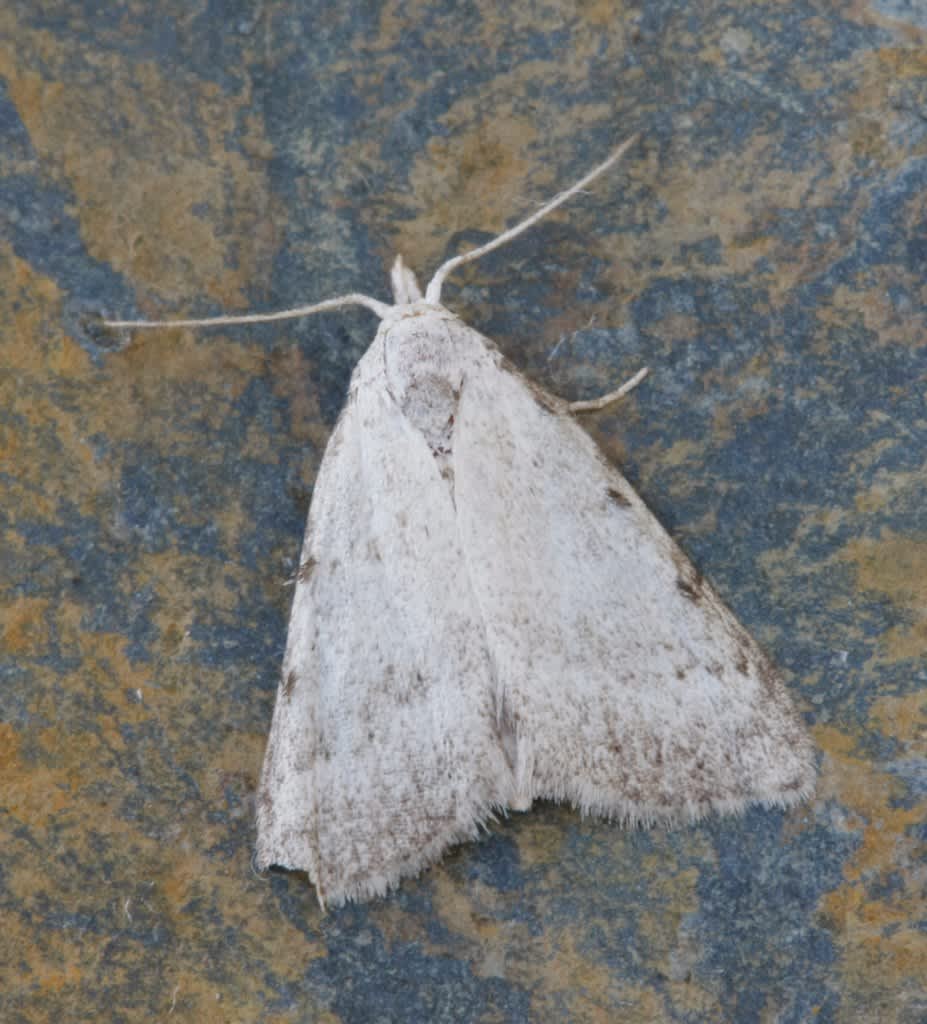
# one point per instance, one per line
(504, 363)
(617, 497)
(690, 583)
(769, 674)
(305, 570)
(742, 665)
(289, 682)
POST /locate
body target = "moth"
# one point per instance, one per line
(486, 614)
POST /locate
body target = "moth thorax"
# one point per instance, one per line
(429, 403)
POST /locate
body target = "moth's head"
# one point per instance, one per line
(402, 319)
(408, 301)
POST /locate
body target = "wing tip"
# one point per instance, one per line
(363, 885)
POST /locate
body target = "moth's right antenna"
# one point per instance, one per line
(433, 291)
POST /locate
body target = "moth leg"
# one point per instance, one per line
(595, 404)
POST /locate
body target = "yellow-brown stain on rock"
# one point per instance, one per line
(674, 948)
(700, 204)
(870, 308)
(138, 170)
(23, 622)
(290, 378)
(902, 62)
(904, 719)
(39, 363)
(886, 487)
(572, 986)
(884, 954)
(149, 888)
(467, 181)
(486, 172)
(895, 565)
(476, 915)
(561, 977)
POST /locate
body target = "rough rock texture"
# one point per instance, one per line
(763, 250)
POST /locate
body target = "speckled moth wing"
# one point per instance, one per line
(383, 749)
(630, 688)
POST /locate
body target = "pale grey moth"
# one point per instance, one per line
(486, 614)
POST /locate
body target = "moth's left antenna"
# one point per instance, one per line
(354, 299)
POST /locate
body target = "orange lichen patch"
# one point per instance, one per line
(865, 792)
(158, 379)
(190, 996)
(24, 625)
(901, 62)
(466, 181)
(683, 453)
(290, 378)
(887, 487)
(700, 206)
(9, 448)
(467, 911)
(882, 952)
(903, 718)
(139, 171)
(559, 976)
(159, 362)
(9, 749)
(105, 668)
(56, 967)
(672, 898)
(175, 377)
(871, 308)
(32, 310)
(609, 16)
(868, 95)
(33, 441)
(901, 643)
(568, 984)
(238, 759)
(31, 793)
(895, 565)
(551, 966)
(541, 844)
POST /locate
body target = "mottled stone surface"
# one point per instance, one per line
(763, 250)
